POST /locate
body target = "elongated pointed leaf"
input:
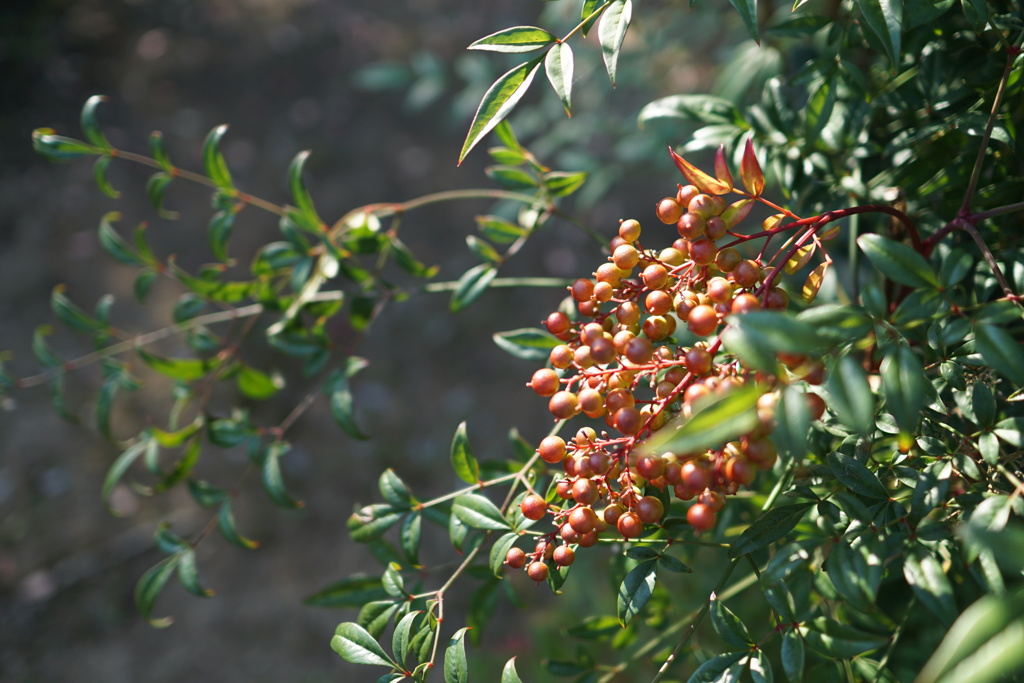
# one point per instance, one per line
(1001, 351)
(722, 167)
(903, 385)
(558, 65)
(213, 161)
(636, 590)
(897, 261)
(273, 481)
(471, 285)
(99, 174)
(515, 39)
(611, 31)
(461, 456)
(768, 528)
(508, 674)
(748, 11)
(528, 343)
(925, 576)
(820, 107)
(851, 396)
(499, 100)
(856, 476)
(750, 170)
(356, 645)
(714, 422)
(90, 126)
(456, 668)
(479, 512)
(885, 18)
(149, 587)
(55, 147)
(228, 529)
(701, 180)
(301, 195)
(728, 626)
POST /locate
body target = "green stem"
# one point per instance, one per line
(451, 285)
(965, 207)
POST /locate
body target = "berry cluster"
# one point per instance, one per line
(619, 361)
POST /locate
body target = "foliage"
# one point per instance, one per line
(842, 450)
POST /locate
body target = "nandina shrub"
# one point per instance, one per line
(840, 452)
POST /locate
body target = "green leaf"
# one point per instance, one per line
(409, 535)
(300, 194)
(183, 466)
(41, 350)
(984, 643)
(706, 109)
(340, 393)
(90, 126)
(256, 384)
(856, 477)
(143, 282)
(482, 250)
(715, 421)
(851, 397)
(897, 261)
(226, 524)
(99, 174)
(59, 148)
(114, 244)
(188, 574)
(357, 646)
(394, 490)
(793, 655)
(184, 369)
(213, 161)
(392, 581)
(728, 626)
(122, 463)
(499, 230)
(976, 12)
(514, 40)
(461, 455)
(508, 674)
(885, 18)
(748, 11)
(768, 528)
(635, 590)
(456, 668)
(408, 262)
(400, 638)
(499, 100)
(273, 481)
(835, 640)
(218, 233)
(723, 668)
(589, 15)
(357, 590)
(925, 576)
(903, 384)
(478, 512)
(528, 343)
(760, 668)
(563, 184)
(1000, 351)
(793, 423)
(70, 314)
(820, 107)
(558, 65)
(499, 550)
(1010, 430)
(611, 31)
(471, 285)
(370, 522)
(156, 148)
(149, 586)
(780, 331)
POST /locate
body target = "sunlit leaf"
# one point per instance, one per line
(499, 100)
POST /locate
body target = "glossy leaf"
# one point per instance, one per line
(357, 646)
(71, 314)
(793, 655)
(706, 109)
(55, 147)
(393, 490)
(835, 640)
(409, 535)
(114, 244)
(750, 169)
(228, 529)
(736, 212)
(188, 574)
(300, 194)
(99, 174)
(499, 100)
(1000, 351)
(149, 587)
(528, 343)
(611, 31)
(748, 12)
(768, 528)
(856, 476)
(926, 577)
(499, 230)
(563, 184)
(471, 285)
(370, 522)
(509, 674)
(851, 397)
(392, 581)
(273, 481)
(400, 637)
(813, 282)
(636, 590)
(218, 232)
(461, 456)
(723, 668)
(156, 148)
(589, 15)
(479, 512)
(820, 107)
(897, 261)
(722, 168)
(714, 422)
(122, 463)
(90, 126)
(340, 395)
(499, 550)
(514, 40)
(701, 180)
(885, 18)
(728, 626)
(213, 161)
(780, 331)
(558, 65)
(903, 385)
(456, 668)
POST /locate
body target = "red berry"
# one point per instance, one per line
(668, 210)
(515, 558)
(552, 449)
(564, 556)
(557, 323)
(584, 491)
(583, 519)
(649, 509)
(703, 251)
(703, 320)
(545, 382)
(533, 507)
(701, 517)
(538, 571)
(563, 405)
(629, 525)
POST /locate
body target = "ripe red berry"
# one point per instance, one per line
(658, 302)
(563, 405)
(690, 226)
(639, 350)
(668, 210)
(515, 558)
(558, 323)
(625, 256)
(715, 228)
(701, 517)
(582, 289)
(545, 382)
(583, 519)
(564, 556)
(629, 230)
(698, 361)
(703, 320)
(649, 509)
(650, 466)
(584, 491)
(538, 571)
(703, 251)
(533, 507)
(686, 194)
(552, 449)
(629, 525)
(628, 420)
(746, 273)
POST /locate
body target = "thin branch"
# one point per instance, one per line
(965, 207)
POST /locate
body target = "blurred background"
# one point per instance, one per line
(382, 93)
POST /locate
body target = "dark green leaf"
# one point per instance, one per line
(156, 148)
(976, 12)
(589, 15)
(558, 64)
(885, 18)
(820, 107)
(99, 174)
(219, 232)
(832, 639)
(461, 456)
(851, 397)
(353, 591)
(370, 522)
(303, 200)
(471, 285)
(635, 590)
(793, 655)
(499, 100)
(897, 261)
(55, 147)
(528, 343)
(478, 512)
(90, 126)
(514, 40)
(409, 537)
(780, 331)
(114, 244)
(123, 462)
(925, 576)
(728, 626)
(149, 587)
(723, 668)
(256, 384)
(213, 160)
(400, 638)
(701, 108)
(903, 385)
(482, 250)
(184, 369)
(392, 581)
(499, 230)
(226, 524)
(456, 668)
(189, 576)
(70, 314)
(393, 490)
(509, 674)
(499, 550)
(341, 401)
(768, 528)
(748, 11)
(611, 31)
(855, 476)
(143, 282)
(1000, 351)
(356, 645)
(563, 184)
(273, 482)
